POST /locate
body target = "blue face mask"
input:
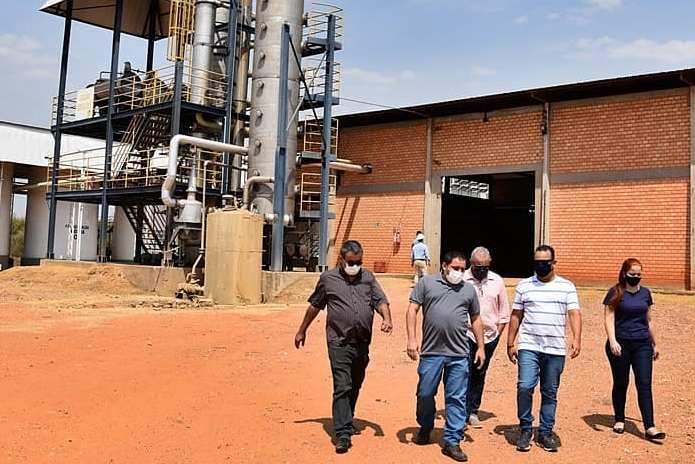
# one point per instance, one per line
(542, 267)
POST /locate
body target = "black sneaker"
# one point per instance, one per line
(524, 441)
(343, 445)
(454, 452)
(547, 442)
(422, 437)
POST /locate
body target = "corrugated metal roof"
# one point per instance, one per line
(101, 13)
(592, 89)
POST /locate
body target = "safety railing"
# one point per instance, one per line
(310, 192)
(317, 21)
(312, 132)
(315, 76)
(84, 170)
(138, 89)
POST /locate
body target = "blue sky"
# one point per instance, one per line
(399, 52)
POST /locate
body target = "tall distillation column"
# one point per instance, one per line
(265, 91)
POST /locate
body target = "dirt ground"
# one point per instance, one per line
(93, 371)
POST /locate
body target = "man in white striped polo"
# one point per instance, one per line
(542, 305)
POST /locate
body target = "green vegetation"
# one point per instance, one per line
(17, 237)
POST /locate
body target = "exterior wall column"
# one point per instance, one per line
(6, 181)
(432, 221)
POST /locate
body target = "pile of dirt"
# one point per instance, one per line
(298, 291)
(56, 282)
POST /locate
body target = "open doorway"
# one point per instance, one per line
(496, 211)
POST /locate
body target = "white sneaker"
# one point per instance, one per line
(475, 421)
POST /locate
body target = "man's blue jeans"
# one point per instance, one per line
(455, 373)
(535, 366)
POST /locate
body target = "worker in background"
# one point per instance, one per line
(419, 257)
(447, 302)
(542, 305)
(494, 312)
(351, 294)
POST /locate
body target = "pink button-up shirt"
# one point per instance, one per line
(494, 304)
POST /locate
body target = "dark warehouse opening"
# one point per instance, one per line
(496, 211)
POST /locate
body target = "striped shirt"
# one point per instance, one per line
(545, 306)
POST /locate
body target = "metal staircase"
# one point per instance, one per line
(153, 226)
(145, 133)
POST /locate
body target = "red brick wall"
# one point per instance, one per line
(506, 139)
(594, 227)
(397, 152)
(638, 133)
(371, 219)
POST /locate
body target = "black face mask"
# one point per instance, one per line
(632, 280)
(542, 268)
(480, 272)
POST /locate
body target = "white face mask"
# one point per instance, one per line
(352, 270)
(454, 277)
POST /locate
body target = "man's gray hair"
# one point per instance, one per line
(481, 252)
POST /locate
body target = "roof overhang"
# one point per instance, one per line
(488, 103)
(101, 13)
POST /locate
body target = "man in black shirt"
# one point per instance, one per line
(351, 294)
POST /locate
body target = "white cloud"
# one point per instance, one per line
(482, 71)
(605, 4)
(23, 56)
(671, 51)
(554, 16)
(378, 78)
(521, 20)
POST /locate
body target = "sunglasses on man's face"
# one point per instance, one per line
(354, 263)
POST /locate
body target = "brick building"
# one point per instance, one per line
(601, 170)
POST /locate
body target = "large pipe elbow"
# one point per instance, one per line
(250, 182)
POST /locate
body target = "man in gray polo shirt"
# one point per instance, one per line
(351, 294)
(447, 303)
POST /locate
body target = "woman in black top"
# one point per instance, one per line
(631, 342)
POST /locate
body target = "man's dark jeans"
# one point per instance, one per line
(348, 365)
(476, 377)
(640, 355)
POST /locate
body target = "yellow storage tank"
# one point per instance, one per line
(234, 242)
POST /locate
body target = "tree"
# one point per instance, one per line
(17, 237)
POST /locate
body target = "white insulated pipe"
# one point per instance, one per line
(176, 142)
(203, 41)
(347, 167)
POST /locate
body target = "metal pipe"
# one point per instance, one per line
(327, 156)
(347, 167)
(201, 251)
(203, 41)
(240, 96)
(178, 140)
(246, 199)
(278, 236)
(57, 131)
(226, 66)
(151, 34)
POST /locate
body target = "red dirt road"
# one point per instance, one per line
(117, 384)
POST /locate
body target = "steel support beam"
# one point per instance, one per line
(326, 155)
(57, 133)
(175, 129)
(229, 119)
(278, 237)
(108, 152)
(139, 224)
(153, 15)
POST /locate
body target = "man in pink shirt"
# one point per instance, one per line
(494, 312)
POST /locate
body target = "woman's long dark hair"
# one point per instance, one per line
(619, 288)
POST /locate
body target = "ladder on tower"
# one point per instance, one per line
(310, 195)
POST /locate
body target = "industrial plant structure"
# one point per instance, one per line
(222, 126)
